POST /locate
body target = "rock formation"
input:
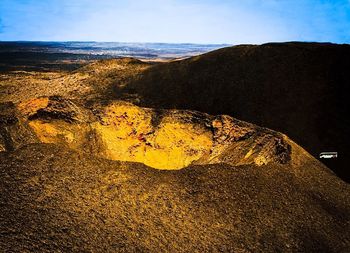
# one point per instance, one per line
(163, 139)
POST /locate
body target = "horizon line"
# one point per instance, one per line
(178, 43)
(129, 42)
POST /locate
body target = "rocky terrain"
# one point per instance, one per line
(91, 81)
(108, 157)
(295, 88)
(164, 139)
(57, 200)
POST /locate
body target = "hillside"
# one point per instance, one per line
(57, 200)
(213, 183)
(295, 88)
(121, 155)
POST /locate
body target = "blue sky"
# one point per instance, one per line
(196, 21)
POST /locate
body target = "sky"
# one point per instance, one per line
(176, 21)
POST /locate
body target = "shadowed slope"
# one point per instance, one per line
(294, 88)
(54, 199)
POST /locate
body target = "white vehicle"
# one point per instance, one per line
(328, 155)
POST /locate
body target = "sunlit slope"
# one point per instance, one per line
(91, 81)
(56, 200)
(295, 88)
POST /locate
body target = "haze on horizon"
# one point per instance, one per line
(176, 21)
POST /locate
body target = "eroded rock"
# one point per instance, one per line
(162, 139)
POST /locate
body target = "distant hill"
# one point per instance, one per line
(296, 88)
(56, 56)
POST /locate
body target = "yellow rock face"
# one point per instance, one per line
(32, 106)
(177, 145)
(71, 135)
(128, 135)
(167, 140)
